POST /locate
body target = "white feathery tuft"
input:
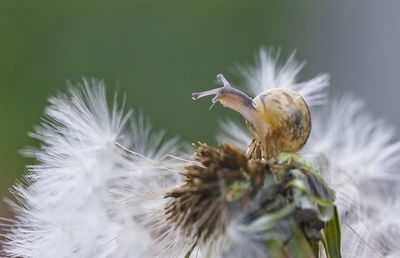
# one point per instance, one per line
(89, 196)
(232, 132)
(358, 147)
(375, 235)
(359, 158)
(237, 241)
(267, 74)
(143, 136)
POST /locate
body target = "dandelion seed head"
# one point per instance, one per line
(107, 185)
(359, 149)
(361, 163)
(88, 196)
(268, 74)
(355, 152)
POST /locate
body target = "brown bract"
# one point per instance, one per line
(206, 199)
(225, 185)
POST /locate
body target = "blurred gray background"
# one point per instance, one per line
(159, 52)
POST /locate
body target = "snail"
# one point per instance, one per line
(278, 119)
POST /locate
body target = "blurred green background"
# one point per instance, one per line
(159, 52)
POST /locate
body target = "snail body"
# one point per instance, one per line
(278, 119)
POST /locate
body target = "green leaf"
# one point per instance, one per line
(270, 219)
(299, 247)
(275, 248)
(314, 244)
(331, 237)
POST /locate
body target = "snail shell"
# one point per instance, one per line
(279, 119)
(287, 121)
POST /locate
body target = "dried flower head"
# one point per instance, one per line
(230, 198)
